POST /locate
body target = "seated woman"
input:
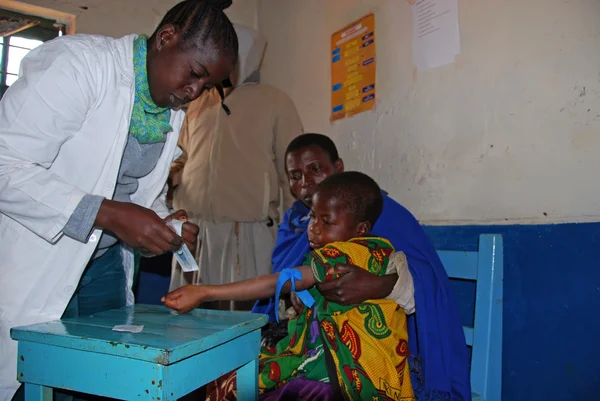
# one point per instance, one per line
(439, 359)
(360, 349)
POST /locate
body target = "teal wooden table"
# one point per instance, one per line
(171, 357)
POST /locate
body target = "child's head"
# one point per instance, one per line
(345, 205)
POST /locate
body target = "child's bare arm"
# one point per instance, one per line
(189, 297)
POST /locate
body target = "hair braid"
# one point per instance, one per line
(203, 23)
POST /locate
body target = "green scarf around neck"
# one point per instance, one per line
(149, 123)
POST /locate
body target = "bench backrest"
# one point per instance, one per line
(486, 268)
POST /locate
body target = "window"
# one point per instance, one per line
(15, 47)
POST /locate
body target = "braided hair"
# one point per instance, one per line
(202, 23)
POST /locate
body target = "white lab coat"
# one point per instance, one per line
(63, 130)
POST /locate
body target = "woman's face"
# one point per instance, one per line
(179, 74)
(306, 168)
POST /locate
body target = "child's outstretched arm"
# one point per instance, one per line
(189, 297)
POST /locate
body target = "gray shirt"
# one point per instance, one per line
(138, 161)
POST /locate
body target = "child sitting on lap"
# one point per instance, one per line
(361, 349)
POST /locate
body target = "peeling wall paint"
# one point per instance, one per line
(509, 134)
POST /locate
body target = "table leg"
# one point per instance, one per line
(247, 381)
(35, 392)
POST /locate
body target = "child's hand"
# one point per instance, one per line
(296, 303)
(186, 298)
(331, 274)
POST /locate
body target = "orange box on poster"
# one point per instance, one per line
(353, 68)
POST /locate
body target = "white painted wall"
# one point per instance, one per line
(509, 134)
(122, 17)
(512, 133)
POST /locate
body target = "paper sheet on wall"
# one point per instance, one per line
(436, 37)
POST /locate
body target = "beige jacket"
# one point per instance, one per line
(233, 166)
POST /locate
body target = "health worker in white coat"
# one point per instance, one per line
(87, 136)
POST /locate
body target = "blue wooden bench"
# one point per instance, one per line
(486, 268)
(171, 357)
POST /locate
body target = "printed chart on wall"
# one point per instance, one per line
(353, 68)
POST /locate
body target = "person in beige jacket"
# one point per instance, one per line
(231, 177)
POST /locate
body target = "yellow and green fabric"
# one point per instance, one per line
(368, 342)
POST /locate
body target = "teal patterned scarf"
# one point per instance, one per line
(149, 123)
